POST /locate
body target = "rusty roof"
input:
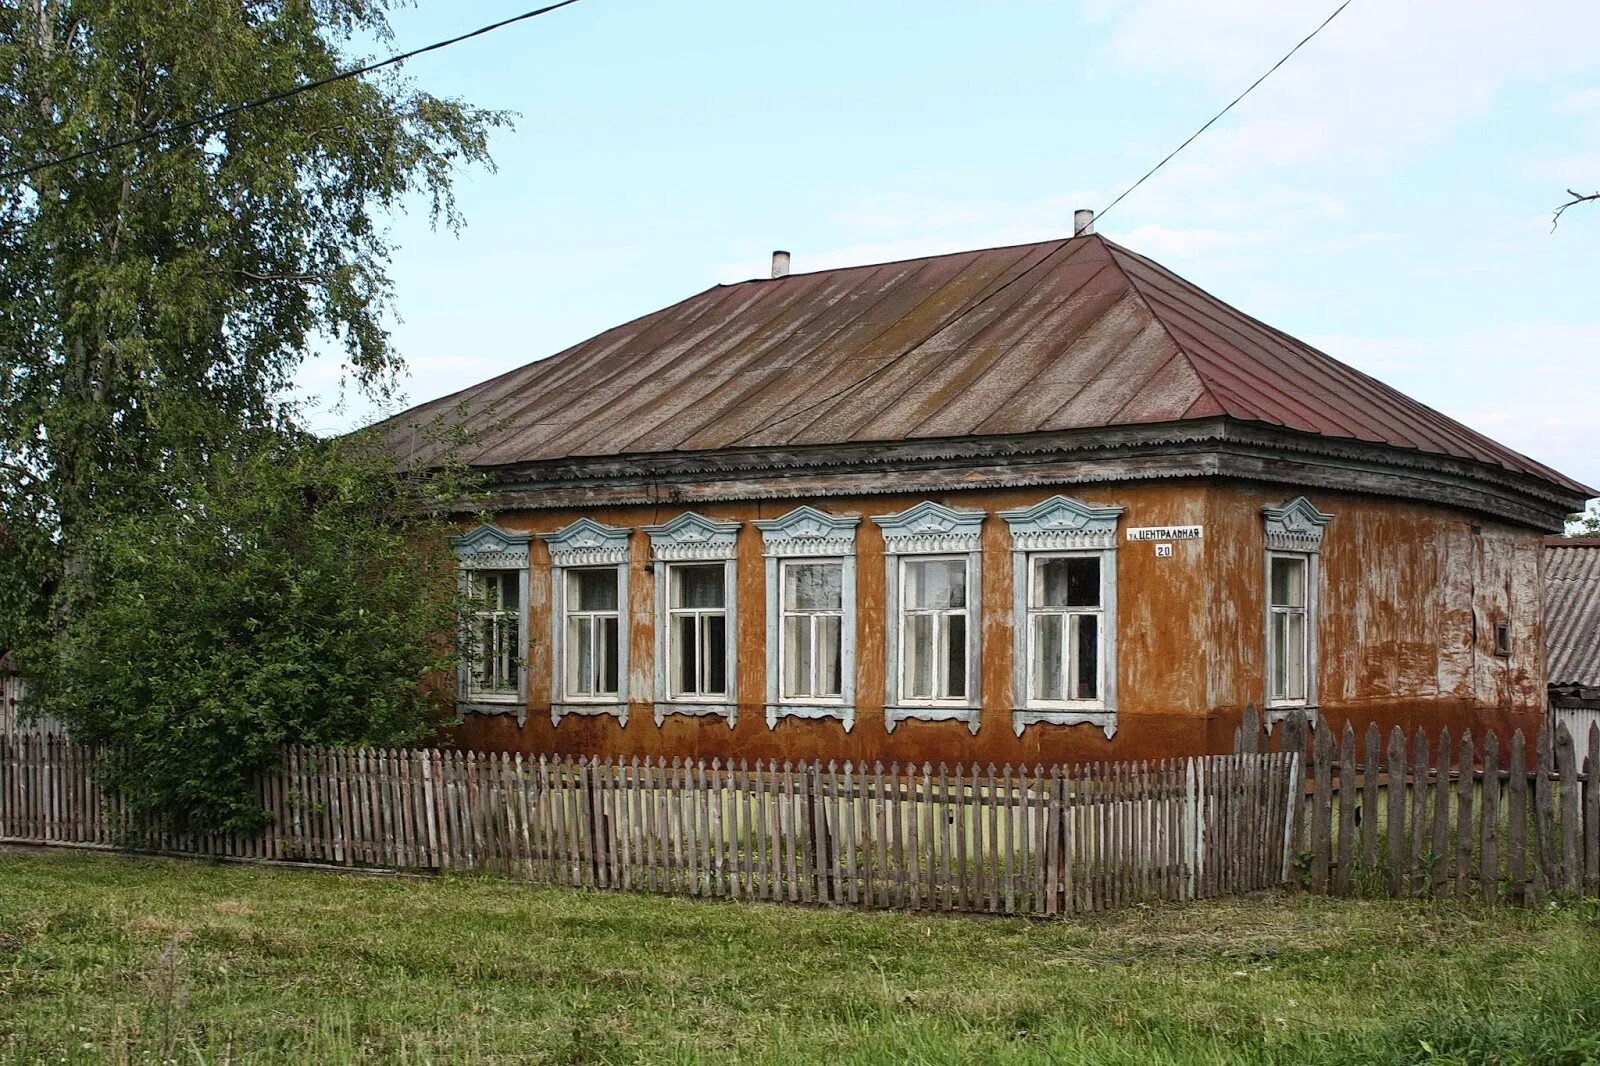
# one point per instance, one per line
(1572, 610)
(1066, 334)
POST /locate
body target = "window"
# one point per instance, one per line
(812, 653)
(1065, 623)
(1502, 639)
(933, 630)
(593, 629)
(697, 631)
(495, 666)
(1288, 647)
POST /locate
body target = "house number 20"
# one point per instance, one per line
(1163, 551)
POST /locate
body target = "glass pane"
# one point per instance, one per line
(813, 586)
(1295, 666)
(714, 649)
(919, 657)
(607, 652)
(936, 583)
(1288, 582)
(697, 586)
(580, 657)
(682, 654)
(1047, 662)
(1086, 657)
(955, 656)
(1277, 654)
(830, 656)
(591, 590)
(483, 651)
(1073, 581)
(797, 655)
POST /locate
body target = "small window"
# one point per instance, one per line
(1502, 639)
(1288, 648)
(593, 633)
(697, 631)
(1066, 630)
(934, 629)
(496, 663)
(812, 653)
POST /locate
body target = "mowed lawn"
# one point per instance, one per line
(114, 959)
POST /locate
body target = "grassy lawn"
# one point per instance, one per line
(112, 959)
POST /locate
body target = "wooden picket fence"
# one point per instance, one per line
(1436, 815)
(1002, 841)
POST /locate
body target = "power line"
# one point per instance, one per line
(1304, 41)
(228, 112)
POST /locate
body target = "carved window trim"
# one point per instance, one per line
(807, 533)
(587, 545)
(1063, 526)
(693, 538)
(925, 529)
(489, 547)
(1294, 530)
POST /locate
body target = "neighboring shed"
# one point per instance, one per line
(1572, 621)
(1036, 503)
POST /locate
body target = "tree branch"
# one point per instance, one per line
(1577, 198)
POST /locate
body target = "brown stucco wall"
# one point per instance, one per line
(1409, 597)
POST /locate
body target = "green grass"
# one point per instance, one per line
(113, 959)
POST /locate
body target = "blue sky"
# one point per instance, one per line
(1386, 195)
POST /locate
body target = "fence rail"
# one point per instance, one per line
(1008, 841)
(1437, 815)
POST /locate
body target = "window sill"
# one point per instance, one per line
(1280, 711)
(730, 711)
(845, 713)
(1023, 717)
(510, 706)
(893, 716)
(559, 711)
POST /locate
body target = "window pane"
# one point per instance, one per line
(682, 654)
(955, 655)
(591, 590)
(1073, 581)
(1288, 582)
(698, 586)
(1295, 665)
(1086, 657)
(830, 656)
(508, 590)
(714, 650)
(813, 586)
(919, 657)
(797, 655)
(580, 657)
(936, 583)
(1277, 653)
(1047, 656)
(483, 651)
(607, 652)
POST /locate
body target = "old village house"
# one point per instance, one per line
(1037, 503)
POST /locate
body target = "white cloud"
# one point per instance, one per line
(1582, 102)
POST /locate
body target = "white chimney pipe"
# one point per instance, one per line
(780, 264)
(1082, 222)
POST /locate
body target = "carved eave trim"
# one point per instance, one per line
(1295, 527)
(930, 528)
(587, 543)
(692, 537)
(1062, 524)
(491, 548)
(806, 531)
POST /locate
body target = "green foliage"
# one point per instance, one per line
(182, 572)
(1585, 523)
(298, 596)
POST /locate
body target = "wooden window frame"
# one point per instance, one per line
(490, 548)
(689, 539)
(1295, 529)
(588, 545)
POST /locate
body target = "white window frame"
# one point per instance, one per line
(587, 545)
(692, 538)
(1274, 613)
(1295, 529)
(700, 615)
(1052, 528)
(490, 548)
(931, 530)
(807, 535)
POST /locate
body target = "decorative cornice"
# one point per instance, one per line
(931, 527)
(806, 531)
(1061, 523)
(491, 548)
(587, 543)
(1294, 527)
(693, 537)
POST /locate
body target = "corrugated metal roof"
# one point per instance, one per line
(1572, 610)
(1067, 334)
